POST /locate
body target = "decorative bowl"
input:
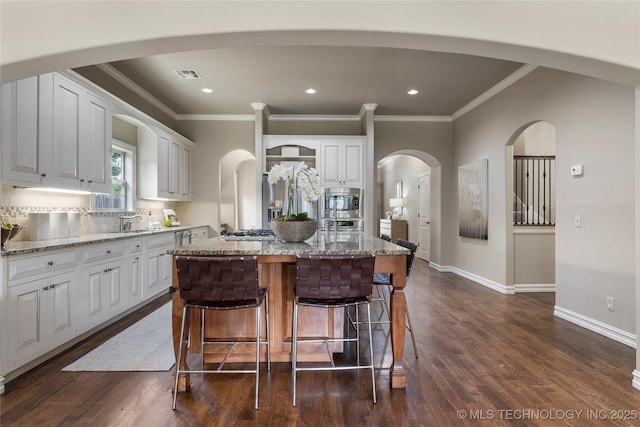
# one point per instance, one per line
(8, 234)
(294, 231)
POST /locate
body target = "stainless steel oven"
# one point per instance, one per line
(342, 202)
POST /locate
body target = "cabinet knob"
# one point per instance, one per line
(46, 288)
(90, 181)
(81, 180)
(50, 263)
(108, 251)
(43, 175)
(52, 286)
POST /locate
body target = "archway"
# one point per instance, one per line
(237, 171)
(530, 193)
(404, 166)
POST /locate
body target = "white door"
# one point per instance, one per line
(424, 220)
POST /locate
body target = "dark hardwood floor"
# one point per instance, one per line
(485, 359)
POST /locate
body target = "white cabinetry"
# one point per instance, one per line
(284, 149)
(157, 264)
(55, 133)
(27, 131)
(184, 180)
(341, 163)
(164, 167)
(103, 292)
(134, 270)
(39, 312)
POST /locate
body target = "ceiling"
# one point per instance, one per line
(345, 78)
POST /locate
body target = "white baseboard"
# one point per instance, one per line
(636, 379)
(1, 385)
(527, 287)
(474, 278)
(596, 326)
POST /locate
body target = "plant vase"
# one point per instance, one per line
(294, 231)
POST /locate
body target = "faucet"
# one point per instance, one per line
(125, 222)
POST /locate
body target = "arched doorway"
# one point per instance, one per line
(531, 199)
(401, 171)
(237, 191)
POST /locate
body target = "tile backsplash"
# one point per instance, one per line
(17, 203)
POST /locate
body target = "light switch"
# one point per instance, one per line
(577, 170)
(577, 221)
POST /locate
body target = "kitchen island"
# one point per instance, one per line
(277, 265)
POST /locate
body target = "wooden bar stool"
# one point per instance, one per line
(332, 282)
(221, 283)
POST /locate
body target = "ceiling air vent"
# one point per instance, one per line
(187, 74)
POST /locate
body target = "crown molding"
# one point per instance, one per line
(218, 117)
(496, 89)
(314, 117)
(391, 118)
(129, 84)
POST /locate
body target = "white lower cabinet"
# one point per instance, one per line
(134, 271)
(157, 264)
(50, 298)
(39, 316)
(103, 293)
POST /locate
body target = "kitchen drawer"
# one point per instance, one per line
(134, 246)
(163, 240)
(103, 252)
(31, 266)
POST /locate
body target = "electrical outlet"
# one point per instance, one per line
(611, 304)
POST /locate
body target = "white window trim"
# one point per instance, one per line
(129, 172)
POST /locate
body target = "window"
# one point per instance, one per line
(118, 179)
(122, 194)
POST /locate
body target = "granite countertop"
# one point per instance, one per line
(32, 246)
(345, 243)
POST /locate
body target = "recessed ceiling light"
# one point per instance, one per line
(207, 90)
(412, 92)
(310, 91)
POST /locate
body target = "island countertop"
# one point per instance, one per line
(277, 274)
(320, 244)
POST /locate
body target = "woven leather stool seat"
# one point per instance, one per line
(221, 283)
(332, 281)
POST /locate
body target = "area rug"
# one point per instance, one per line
(145, 346)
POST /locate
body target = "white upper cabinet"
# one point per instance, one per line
(184, 180)
(81, 138)
(55, 133)
(341, 164)
(96, 152)
(163, 167)
(26, 131)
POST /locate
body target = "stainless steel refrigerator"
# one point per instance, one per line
(274, 202)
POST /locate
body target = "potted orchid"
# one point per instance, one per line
(295, 226)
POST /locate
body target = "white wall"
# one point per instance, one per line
(594, 122)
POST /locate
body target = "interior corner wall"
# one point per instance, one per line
(594, 122)
(435, 139)
(213, 139)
